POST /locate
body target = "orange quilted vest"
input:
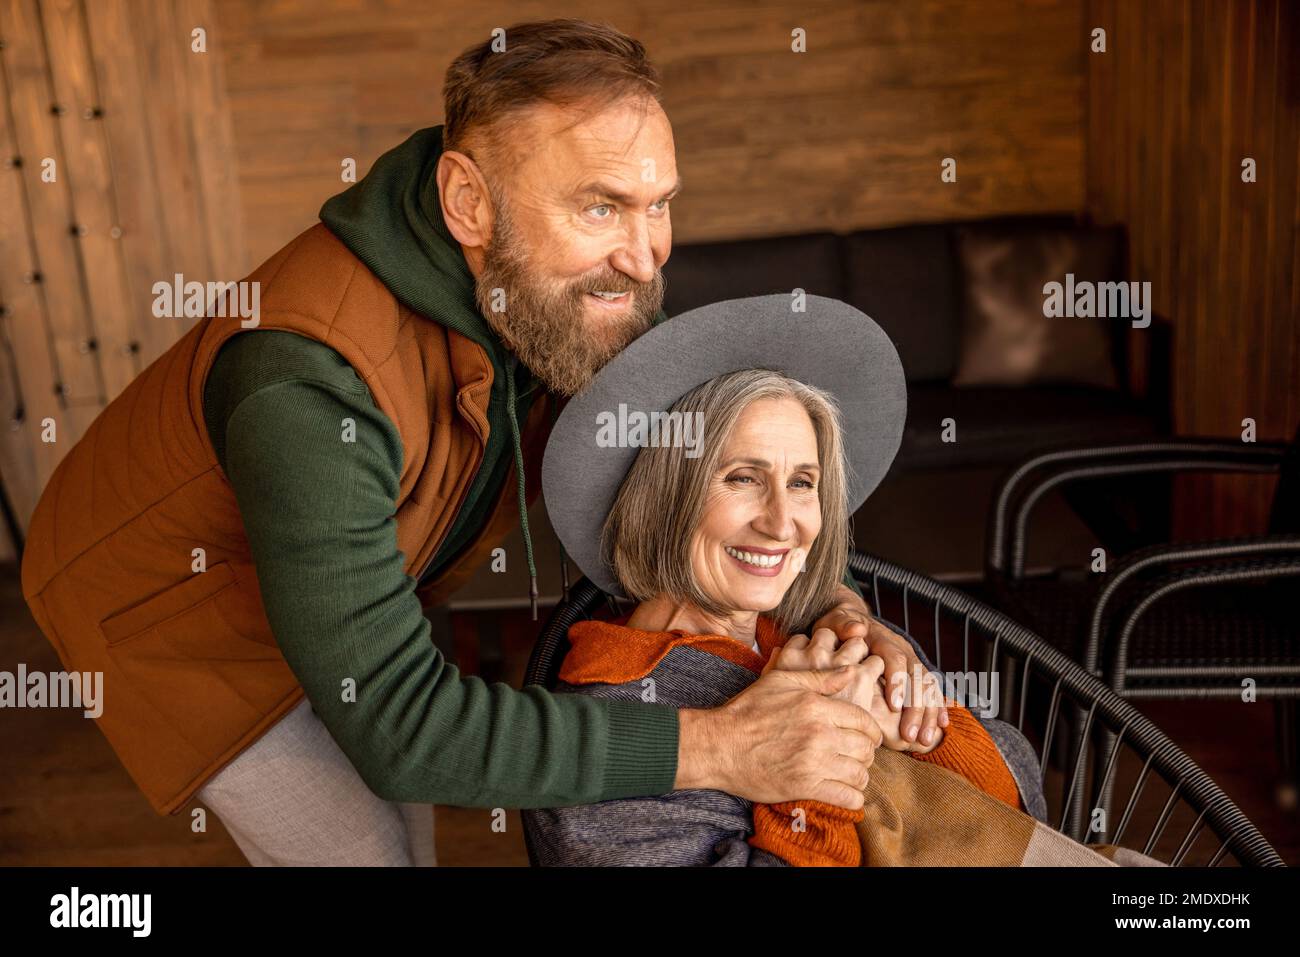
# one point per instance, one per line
(192, 672)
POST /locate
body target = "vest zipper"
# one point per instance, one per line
(460, 500)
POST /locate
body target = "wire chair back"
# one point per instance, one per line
(1171, 809)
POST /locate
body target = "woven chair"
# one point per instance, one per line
(1192, 620)
(1173, 810)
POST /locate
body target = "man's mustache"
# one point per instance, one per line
(614, 283)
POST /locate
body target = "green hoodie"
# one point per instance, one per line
(319, 518)
(392, 220)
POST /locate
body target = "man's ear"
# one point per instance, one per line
(466, 203)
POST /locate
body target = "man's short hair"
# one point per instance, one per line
(562, 62)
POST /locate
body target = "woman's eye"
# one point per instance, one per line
(739, 478)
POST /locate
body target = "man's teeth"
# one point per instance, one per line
(610, 295)
(749, 558)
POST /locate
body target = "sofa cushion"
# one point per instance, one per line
(1002, 425)
(702, 273)
(905, 279)
(1006, 338)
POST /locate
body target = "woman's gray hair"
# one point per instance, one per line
(648, 535)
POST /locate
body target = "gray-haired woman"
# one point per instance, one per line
(727, 552)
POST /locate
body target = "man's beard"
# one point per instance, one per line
(545, 323)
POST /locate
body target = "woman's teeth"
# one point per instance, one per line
(749, 558)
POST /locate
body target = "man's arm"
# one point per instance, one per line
(318, 512)
(319, 516)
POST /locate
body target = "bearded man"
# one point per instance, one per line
(246, 538)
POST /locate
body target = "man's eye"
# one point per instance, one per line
(661, 205)
(603, 206)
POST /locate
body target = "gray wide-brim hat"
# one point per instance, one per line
(830, 345)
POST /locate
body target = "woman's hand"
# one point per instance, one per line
(821, 654)
(890, 723)
(922, 721)
(867, 688)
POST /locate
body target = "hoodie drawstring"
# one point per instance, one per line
(564, 557)
(519, 482)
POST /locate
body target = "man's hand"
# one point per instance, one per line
(821, 654)
(781, 739)
(850, 619)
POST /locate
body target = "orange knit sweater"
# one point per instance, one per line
(802, 833)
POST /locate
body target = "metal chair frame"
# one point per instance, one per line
(1107, 649)
(1028, 661)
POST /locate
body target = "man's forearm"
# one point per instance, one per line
(319, 519)
(697, 750)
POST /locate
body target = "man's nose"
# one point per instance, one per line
(635, 257)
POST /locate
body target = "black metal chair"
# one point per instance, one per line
(1034, 681)
(1193, 620)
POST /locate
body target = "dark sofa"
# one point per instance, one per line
(910, 280)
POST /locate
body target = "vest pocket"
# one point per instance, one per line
(168, 603)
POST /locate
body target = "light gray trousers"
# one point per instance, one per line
(293, 799)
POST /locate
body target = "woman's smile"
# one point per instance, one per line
(765, 562)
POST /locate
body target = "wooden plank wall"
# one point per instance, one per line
(848, 135)
(208, 163)
(1185, 92)
(116, 145)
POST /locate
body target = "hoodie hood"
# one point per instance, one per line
(392, 221)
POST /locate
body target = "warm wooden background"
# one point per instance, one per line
(1185, 92)
(139, 131)
(211, 162)
(849, 134)
(207, 163)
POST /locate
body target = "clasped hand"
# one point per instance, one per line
(867, 688)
